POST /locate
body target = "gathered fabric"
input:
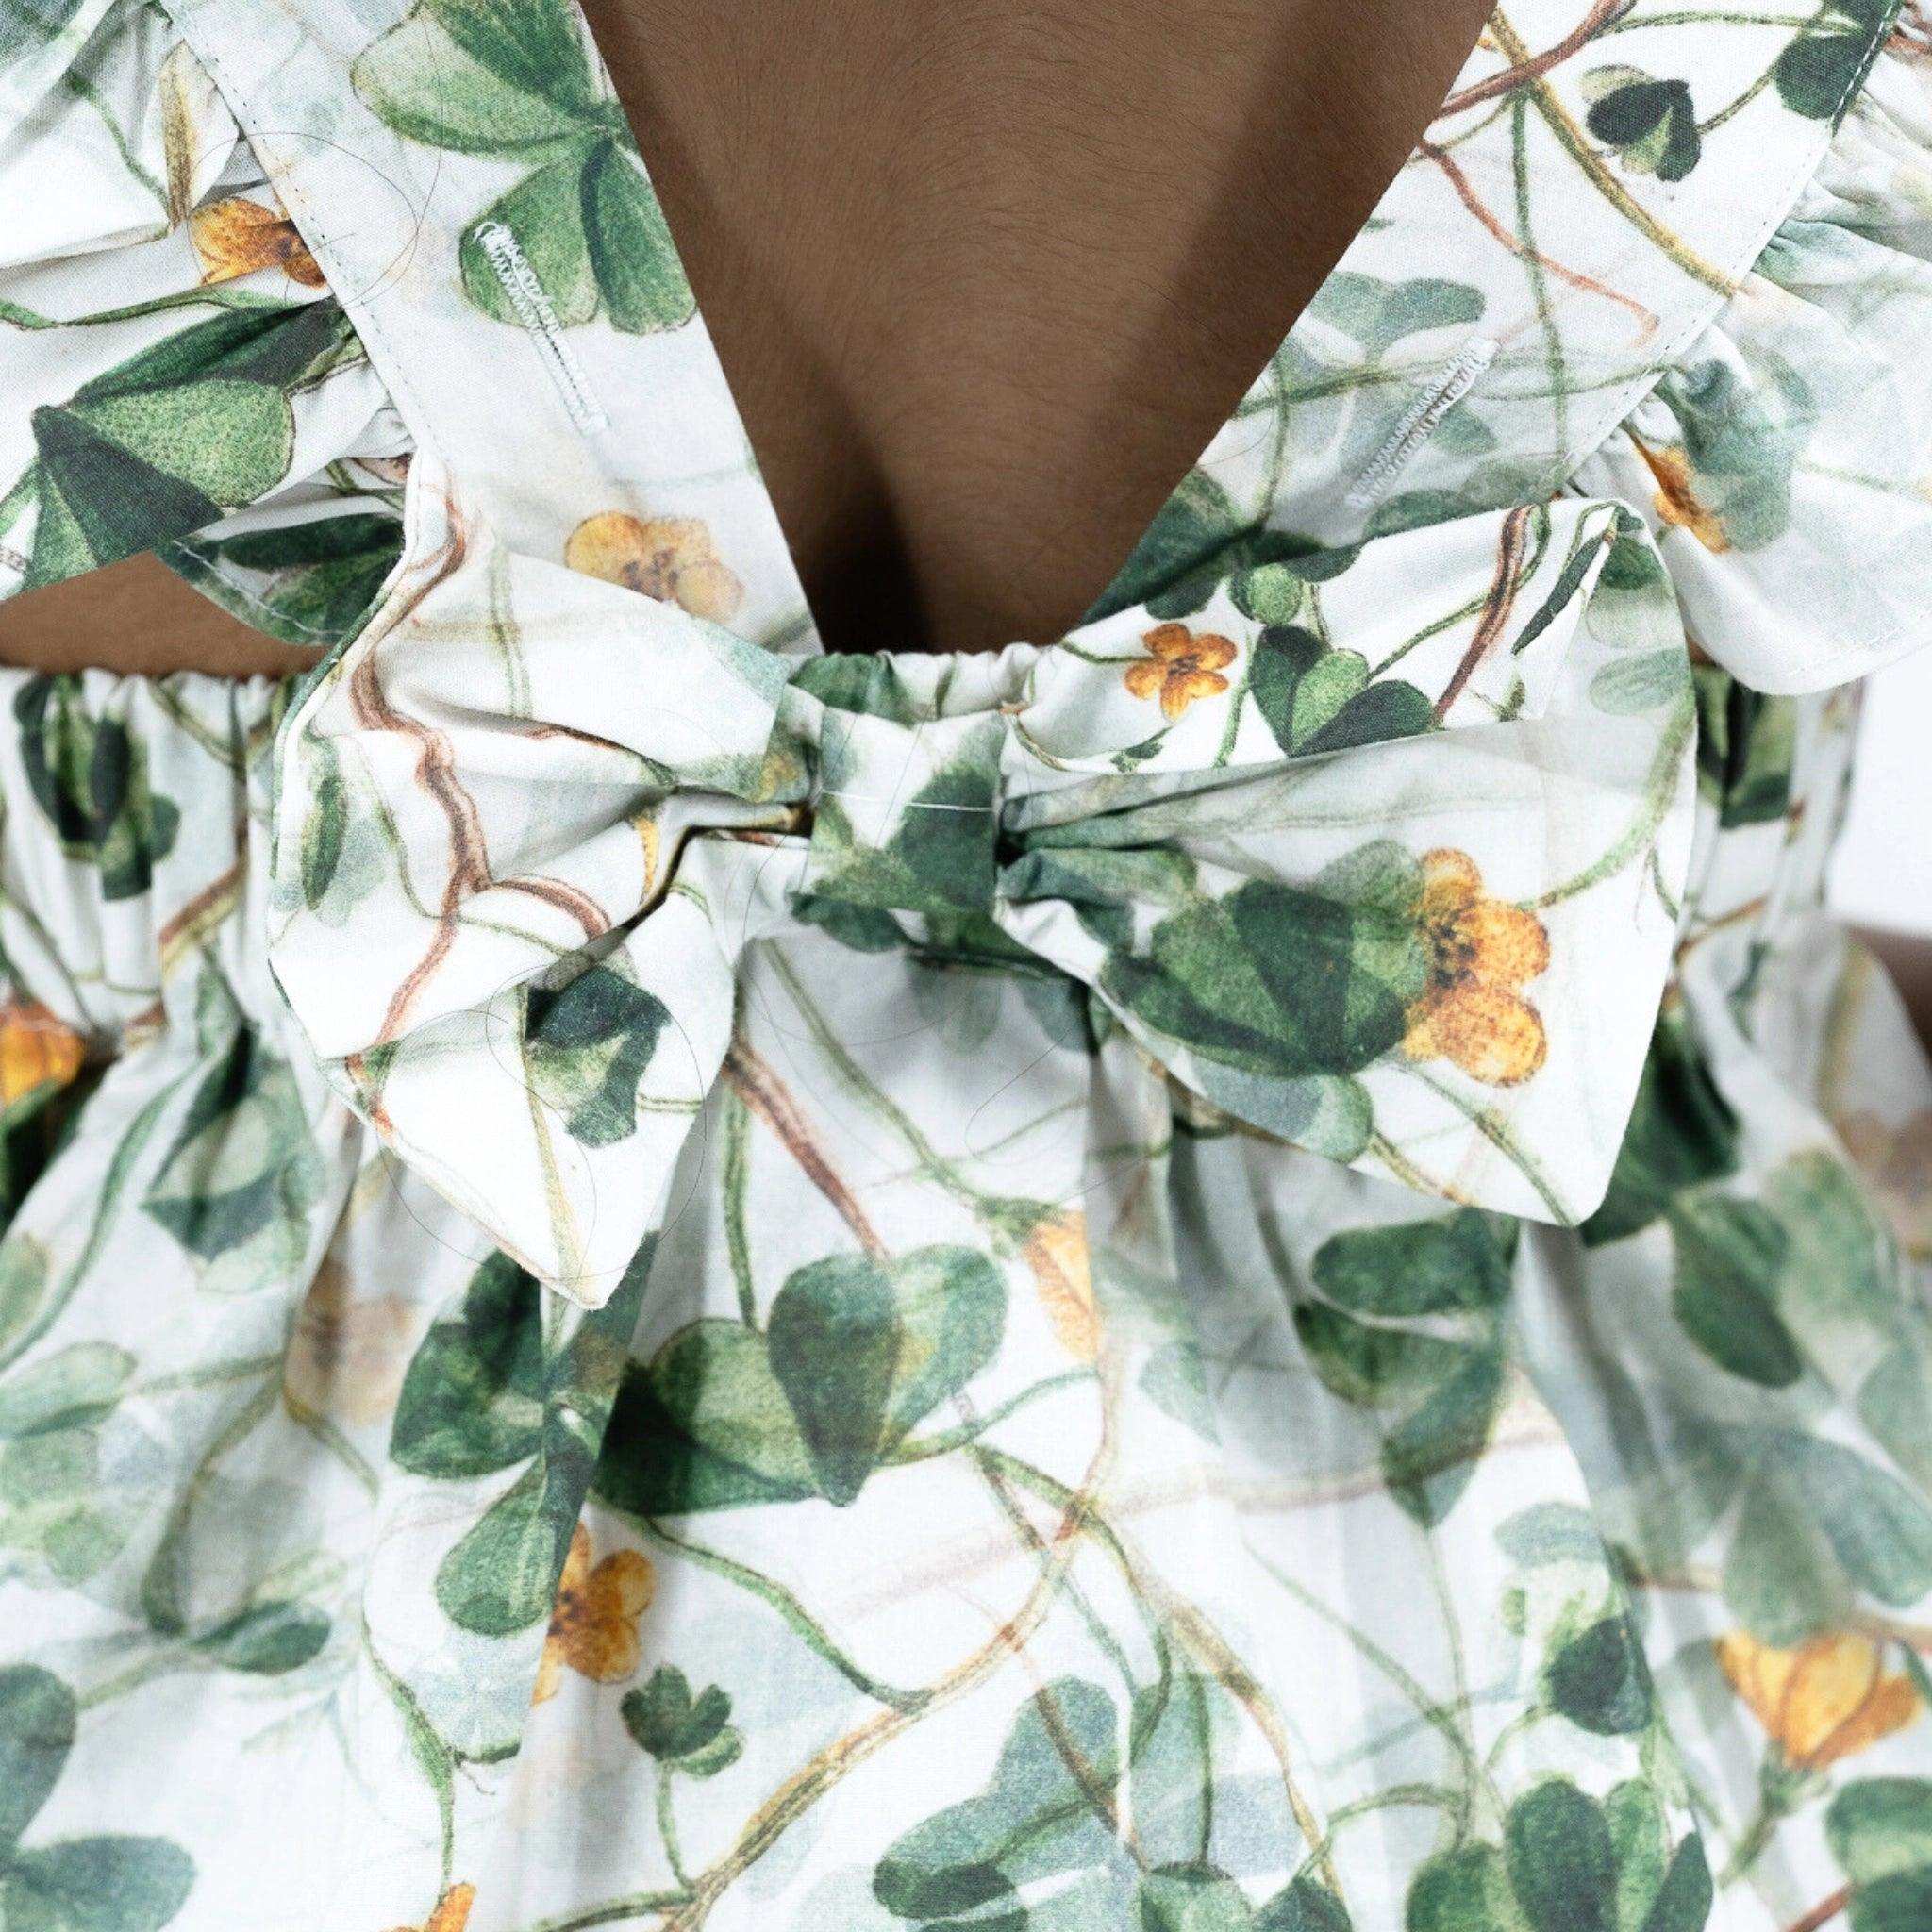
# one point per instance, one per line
(1260, 1268)
(1266, 893)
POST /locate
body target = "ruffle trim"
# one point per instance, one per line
(177, 376)
(1785, 458)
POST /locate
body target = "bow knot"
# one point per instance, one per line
(906, 816)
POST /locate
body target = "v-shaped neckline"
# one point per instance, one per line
(1465, 79)
(1525, 280)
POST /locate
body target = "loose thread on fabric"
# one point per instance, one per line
(907, 805)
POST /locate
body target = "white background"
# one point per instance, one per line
(1882, 872)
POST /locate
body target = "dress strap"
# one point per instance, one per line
(474, 198)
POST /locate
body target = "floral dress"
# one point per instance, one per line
(1257, 1270)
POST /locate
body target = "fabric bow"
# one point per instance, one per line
(1377, 850)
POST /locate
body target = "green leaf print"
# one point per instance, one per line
(242, 1170)
(1435, 1391)
(310, 583)
(533, 45)
(705, 1426)
(93, 1884)
(865, 1350)
(1317, 699)
(1307, 1905)
(1880, 1827)
(1562, 1860)
(1816, 72)
(324, 826)
(1681, 1132)
(1820, 1526)
(859, 1351)
(501, 1576)
(158, 446)
(1042, 1843)
(1272, 594)
(55, 1503)
(586, 1047)
(1746, 742)
(694, 1734)
(24, 23)
(1880, 1831)
(1196, 539)
(482, 76)
(89, 778)
(1467, 1891)
(1728, 1252)
(229, 441)
(24, 1284)
(1417, 1268)
(544, 212)
(1651, 124)
(1903, 1904)
(1599, 1679)
(70, 1389)
(1190, 1898)
(519, 81)
(834, 1345)
(632, 255)
(1430, 1454)
(593, 234)
(1041, 1815)
(1378, 314)
(485, 1392)
(267, 1638)
(940, 858)
(472, 1399)
(1288, 981)
(36, 1720)
(1742, 439)
(867, 684)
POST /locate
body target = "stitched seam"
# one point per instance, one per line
(257, 602)
(526, 295)
(1418, 422)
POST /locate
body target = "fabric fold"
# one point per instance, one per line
(1787, 439)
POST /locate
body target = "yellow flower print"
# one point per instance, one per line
(36, 1049)
(1676, 502)
(451, 1911)
(1057, 1253)
(593, 1627)
(1479, 951)
(667, 558)
(1822, 1701)
(348, 1353)
(1897, 1163)
(235, 236)
(1180, 667)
